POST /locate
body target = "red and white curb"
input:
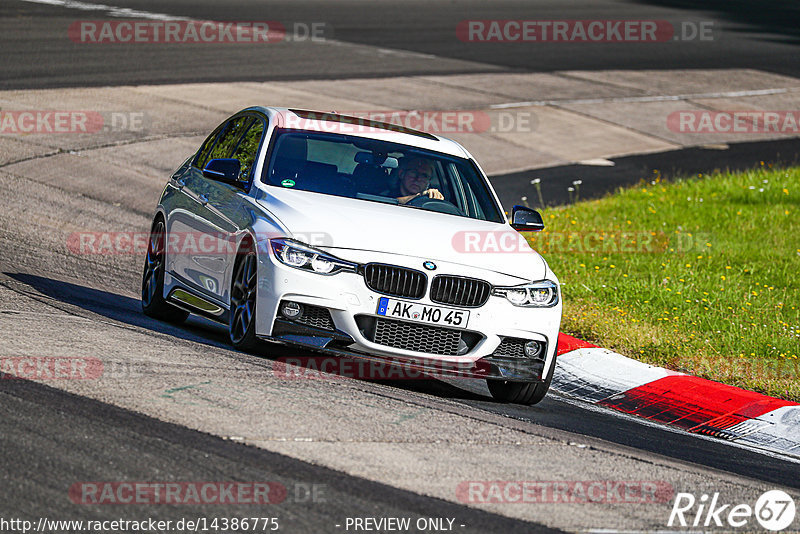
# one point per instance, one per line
(605, 378)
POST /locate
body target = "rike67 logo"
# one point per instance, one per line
(774, 510)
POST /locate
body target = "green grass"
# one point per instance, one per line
(698, 275)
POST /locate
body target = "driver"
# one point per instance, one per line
(415, 176)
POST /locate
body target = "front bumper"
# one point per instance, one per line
(352, 305)
(337, 343)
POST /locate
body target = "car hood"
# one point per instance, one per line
(331, 222)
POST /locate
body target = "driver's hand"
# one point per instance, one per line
(433, 193)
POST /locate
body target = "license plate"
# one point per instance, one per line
(423, 313)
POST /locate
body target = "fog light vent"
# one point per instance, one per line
(291, 310)
(533, 349)
(511, 347)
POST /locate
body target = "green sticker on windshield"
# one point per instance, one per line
(287, 183)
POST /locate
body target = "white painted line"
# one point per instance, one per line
(597, 162)
(111, 11)
(649, 98)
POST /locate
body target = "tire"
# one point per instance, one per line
(527, 393)
(153, 303)
(242, 325)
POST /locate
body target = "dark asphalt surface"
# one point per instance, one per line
(50, 440)
(630, 170)
(37, 51)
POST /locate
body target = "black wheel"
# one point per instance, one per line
(527, 393)
(153, 303)
(242, 326)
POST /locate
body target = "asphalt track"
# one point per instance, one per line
(630, 170)
(414, 36)
(57, 434)
(52, 437)
(554, 412)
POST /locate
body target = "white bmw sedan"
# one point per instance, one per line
(361, 240)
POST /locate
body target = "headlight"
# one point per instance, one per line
(542, 294)
(300, 256)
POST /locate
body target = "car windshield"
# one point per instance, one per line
(380, 171)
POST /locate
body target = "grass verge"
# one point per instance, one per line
(698, 275)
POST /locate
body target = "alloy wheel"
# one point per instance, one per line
(243, 298)
(154, 264)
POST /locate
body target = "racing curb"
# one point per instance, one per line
(602, 377)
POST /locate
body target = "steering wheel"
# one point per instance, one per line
(434, 204)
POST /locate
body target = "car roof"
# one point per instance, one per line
(332, 122)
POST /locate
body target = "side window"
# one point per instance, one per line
(230, 136)
(462, 193)
(205, 149)
(248, 148)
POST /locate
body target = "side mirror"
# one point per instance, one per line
(526, 220)
(225, 170)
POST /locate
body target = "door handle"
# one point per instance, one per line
(203, 199)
